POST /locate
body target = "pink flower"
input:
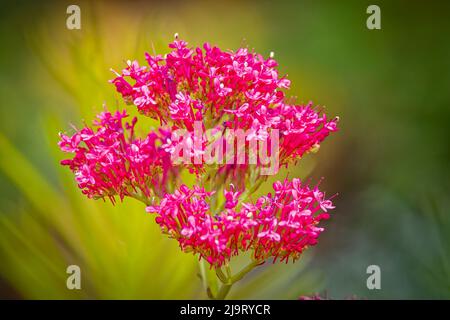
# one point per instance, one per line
(238, 90)
(278, 227)
(110, 161)
(231, 197)
(207, 88)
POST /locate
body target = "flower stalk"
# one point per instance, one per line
(228, 280)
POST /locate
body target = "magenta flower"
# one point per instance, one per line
(278, 226)
(226, 90)
(110, 161)
(197, 94)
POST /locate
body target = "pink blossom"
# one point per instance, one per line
(236, 90)
(221, 90)
(276, 226)
(110, 161)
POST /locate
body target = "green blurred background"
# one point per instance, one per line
(389, 162)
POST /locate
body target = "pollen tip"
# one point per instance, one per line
(272, 54)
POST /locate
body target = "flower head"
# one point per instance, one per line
(207, 88)
(109, 160)
(224, 90)
(278, 226)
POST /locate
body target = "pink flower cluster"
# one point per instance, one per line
(225, 90)
(110, 161)
(221, 90)
(278, 226)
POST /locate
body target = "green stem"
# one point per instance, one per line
(140, 197)
(254, 187)
(223, 292)
(226, 286)
(201, 265)
(209, 279)
(244, 271)
(222, 277)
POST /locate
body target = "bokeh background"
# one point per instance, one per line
(389, 162)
